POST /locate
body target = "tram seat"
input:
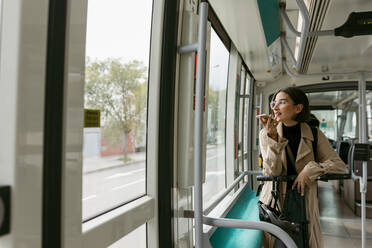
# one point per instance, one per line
(245, 208)
(357, 166)
(342, 149)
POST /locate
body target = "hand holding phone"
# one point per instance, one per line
(270, 124)
(264, 118)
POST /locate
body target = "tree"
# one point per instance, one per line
(119, 91)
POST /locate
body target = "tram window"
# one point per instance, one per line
(369, 113)
(339, 123)
(328, 122)
(116, 82)
(215, 164)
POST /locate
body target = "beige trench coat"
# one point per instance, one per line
(275, 164)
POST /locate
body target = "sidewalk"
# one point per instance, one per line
(94, 164)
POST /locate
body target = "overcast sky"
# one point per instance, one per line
(219, 62)
(121, 29)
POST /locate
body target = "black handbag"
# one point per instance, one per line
(271, 213)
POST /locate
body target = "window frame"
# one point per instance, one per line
(110, 227)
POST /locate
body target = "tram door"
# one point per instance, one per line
(110, 147)
(79, 85)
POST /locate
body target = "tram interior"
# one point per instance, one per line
(339, 200)
(333, 98)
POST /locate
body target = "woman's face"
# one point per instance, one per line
(284, 108)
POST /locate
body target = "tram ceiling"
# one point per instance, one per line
(329, 53)
(243, 23)
(338, 54)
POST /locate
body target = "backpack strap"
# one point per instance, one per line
(314, 130)
(290, 155)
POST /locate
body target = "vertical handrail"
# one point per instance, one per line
(304, 32)
(286, 20)
(363, 139)
(249, 136)
(288, 50)
(198, 124)
(260, 126)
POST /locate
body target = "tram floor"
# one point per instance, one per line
(340, 226)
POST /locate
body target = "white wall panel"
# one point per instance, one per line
(22, 83)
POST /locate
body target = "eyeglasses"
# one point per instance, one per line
(280, 103)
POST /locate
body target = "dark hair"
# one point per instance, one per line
(298, 97)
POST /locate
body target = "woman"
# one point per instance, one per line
(288, 125)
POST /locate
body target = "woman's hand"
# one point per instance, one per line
(270, 125)
(301, 181)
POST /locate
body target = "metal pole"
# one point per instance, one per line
(222, 195)
(188, 48)
(249, 136)
(198, 124)
(257, 225)
(304, 32)
(260, 105)
(363, 139)
(288, 50)
(288, 22)
(298, 34)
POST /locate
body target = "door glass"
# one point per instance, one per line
(116, 82)
(215, 165)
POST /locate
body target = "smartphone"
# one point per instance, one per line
(263, 115)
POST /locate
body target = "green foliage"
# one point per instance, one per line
(119, 91)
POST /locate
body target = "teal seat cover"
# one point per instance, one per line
(244, 209)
